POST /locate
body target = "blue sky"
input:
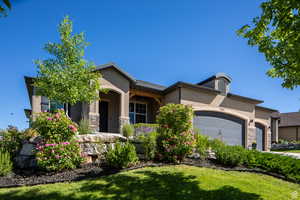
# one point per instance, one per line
(157, 41)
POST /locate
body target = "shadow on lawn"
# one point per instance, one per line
(144, 185)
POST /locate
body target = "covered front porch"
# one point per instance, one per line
(106, 115)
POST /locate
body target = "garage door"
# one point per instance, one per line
(228, 128)
(260, 136)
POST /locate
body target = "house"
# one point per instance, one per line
(289, 126)
(235, 119)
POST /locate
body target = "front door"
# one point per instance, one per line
(103, 110)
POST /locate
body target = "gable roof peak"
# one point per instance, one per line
(116, 67)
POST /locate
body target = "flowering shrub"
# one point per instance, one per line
(176, 139)
(55, 127)
(174, 148)
(58, 156)
(176, 117)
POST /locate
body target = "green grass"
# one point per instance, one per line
(159, 183)
(288, 151)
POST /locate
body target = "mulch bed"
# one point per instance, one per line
(92, 171)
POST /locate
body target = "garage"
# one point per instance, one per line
(225, 127)
(260, 136)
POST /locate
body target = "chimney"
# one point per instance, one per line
(220, 82)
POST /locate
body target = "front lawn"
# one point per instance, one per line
(172, 182)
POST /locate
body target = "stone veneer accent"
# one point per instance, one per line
(94, 120)
(122, 122)
(94, 146)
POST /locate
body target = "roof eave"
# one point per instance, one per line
(254, 101)
(115, 66)
(180, 84)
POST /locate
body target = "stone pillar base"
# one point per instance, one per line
(122, 121)
(94, 120)
(251, 136)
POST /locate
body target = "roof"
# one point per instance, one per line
(268, 109)
(289, 119)
(29, 82)
(150, 85)
(114, 65)
(162, 89)
(218, 75)
(189, 85)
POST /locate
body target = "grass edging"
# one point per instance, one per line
(108, 171)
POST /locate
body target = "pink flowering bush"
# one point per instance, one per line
(55, 127)
(58, 156)
(58, 151)
(175, 139)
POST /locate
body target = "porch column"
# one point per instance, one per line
(274, 125)
(124, 110)
(93, 115)
(250, 133)
(36, 104)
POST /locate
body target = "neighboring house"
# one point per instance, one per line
(235, 119)
(289, 126)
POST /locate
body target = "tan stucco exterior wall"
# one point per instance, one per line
(288, 133)
(264, 117)
(114, 81)
(113, 100)
(237, 107)
(172, 97)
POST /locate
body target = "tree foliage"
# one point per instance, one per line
(276, 32)
(4, 5)
(67, 77)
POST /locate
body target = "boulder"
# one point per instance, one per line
(101, 138)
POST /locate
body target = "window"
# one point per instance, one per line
(49, 106)
(137, 113)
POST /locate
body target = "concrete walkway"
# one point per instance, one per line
(294, 155)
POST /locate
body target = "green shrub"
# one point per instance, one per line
(284, 165)
(122, 155)
(11, 140)
(175, 138)
(202, 144)
(60, 156)
(128, 130)
(84, 127)
(149, 144)
(55, 127)
(215, 144)
(231, 155)
(6, 164)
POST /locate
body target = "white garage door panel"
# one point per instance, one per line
(219, 125)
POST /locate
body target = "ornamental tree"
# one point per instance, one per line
(276, 33)
(66, 76)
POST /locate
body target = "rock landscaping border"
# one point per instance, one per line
(92, 171)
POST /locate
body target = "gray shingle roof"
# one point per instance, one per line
(150, 85)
